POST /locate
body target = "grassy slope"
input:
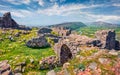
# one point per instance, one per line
(90, 31)
(17, 52)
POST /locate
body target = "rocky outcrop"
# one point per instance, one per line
(107, 39)
(37, 42)
(23, 27)
(117, 45)
(49, 63)
(5, 68)
(7, 22)
(47, 32)
(44, 31)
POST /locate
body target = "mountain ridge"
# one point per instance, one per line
(103, 24)
(70, 25)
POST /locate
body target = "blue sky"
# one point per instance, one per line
(47, 12)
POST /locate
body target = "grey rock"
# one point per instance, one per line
(17, 35)
(117, 45)
(93, 65)
(113, 52)
(18, 74)
(52, 72)
(37, 42)
(21, 64)
(18, 69)
(31, 60)
(44, 31)
(7, 22)
(107, 38)
(23, 69)
(8, 72)
(5, 68)
(66, 72)
(103, 60)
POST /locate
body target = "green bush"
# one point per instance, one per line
(55, 33)
(81, 67)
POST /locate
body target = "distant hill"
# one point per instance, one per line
(102, 24)
(71, 25)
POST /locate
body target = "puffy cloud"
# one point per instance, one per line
(41, 2)
(64, 9)
(102, 17)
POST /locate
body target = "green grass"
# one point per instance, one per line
(90, 31)
(16, 51)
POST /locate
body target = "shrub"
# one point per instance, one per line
(55, 33)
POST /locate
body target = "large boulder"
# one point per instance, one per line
(37, 42)
(44, 31)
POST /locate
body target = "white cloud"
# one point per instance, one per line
(62, 1)
(4, 6)
(18, 2)
(61, 10)
(18, 13)
(41, 2)
(53, 0)
(73, 9)
(108, 18)
(116, 4)
(102, 17)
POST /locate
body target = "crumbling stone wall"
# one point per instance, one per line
(104, 39)
(71, 45)
(61, 31)
(107, 38)
(65, 54)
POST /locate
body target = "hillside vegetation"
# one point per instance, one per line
(16, 51)
(71, 25)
